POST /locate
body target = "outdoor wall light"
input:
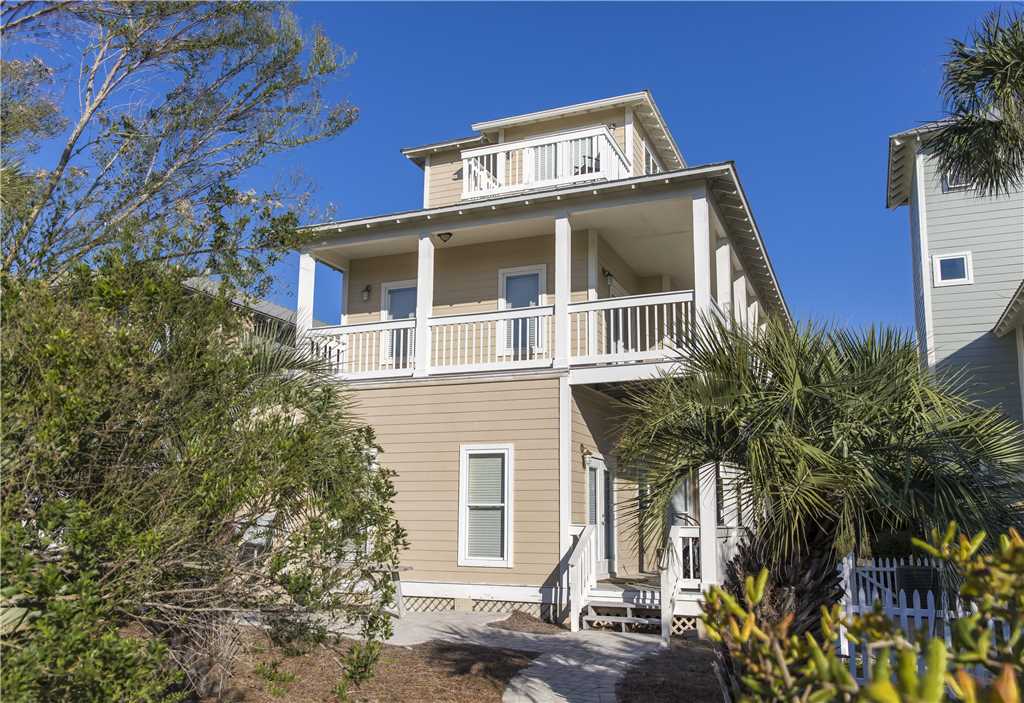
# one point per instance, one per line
(608, 277)
(366, 293)
(444, 236)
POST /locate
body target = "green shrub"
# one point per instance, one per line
(770, 663)
(146, 437)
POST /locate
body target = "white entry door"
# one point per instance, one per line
(601, 513)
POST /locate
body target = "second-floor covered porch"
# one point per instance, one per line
(605, 282)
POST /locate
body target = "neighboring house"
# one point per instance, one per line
(267, 319)
(559, 257)
(968, 268)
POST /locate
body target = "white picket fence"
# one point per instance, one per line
(930, 612)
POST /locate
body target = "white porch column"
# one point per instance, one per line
(593, 271)
(739, 297)
(723, 264)
(563, 250)
(753, 314)
(304, 299)
(424, 303)
(701, 253)
(707, 489)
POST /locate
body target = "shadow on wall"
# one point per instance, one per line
(993, 379)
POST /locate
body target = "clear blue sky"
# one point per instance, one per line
(801, 96)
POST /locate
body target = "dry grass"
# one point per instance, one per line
(683, 672)
(523, 622)
(438, 672)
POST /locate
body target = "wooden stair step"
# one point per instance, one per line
(627, 619)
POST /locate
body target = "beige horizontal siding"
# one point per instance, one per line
(606, 118)
(421, 428)
(444, 178)
(466, 277)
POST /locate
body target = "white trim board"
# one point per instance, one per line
(479, 591)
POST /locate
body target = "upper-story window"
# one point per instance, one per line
(952, 269)
(951, 183)
(651, 163)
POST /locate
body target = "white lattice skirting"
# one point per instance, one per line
(424, 604)
(683, 623)
(506, 606)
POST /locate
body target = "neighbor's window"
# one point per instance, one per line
(485, 505)
(952, 269)
(951, 183)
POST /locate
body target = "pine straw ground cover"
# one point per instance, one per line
(438, 672)
(683, 672)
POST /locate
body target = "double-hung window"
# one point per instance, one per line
(485, 505)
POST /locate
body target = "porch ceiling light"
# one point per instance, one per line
(444, 236)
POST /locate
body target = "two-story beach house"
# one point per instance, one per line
(559, 256)
(968, 272)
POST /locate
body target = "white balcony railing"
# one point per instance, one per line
(505, 339)
(555, 159)
(630, 328)
(378, 349)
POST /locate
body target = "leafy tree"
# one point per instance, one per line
(151, 445)
(175, 101)
(982, 141)
(832, 437)
(772, 663)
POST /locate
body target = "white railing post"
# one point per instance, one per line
(563, 252)
(707, 489)
(424, 303)
(670, 570)
(304, 302)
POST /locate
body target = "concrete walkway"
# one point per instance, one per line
(580, 667)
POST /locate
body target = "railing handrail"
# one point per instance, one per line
(582, 574)
(507, 314)
(332, 330)
(562, 136)
(670, 574)
(628, 301)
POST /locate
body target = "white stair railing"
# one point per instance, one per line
(582, 574)
(670, 573)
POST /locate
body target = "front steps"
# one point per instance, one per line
(636, 607)
(620, 614)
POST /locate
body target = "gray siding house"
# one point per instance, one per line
(968, 268)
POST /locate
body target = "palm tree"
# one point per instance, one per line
(982, 141)
(833, 437)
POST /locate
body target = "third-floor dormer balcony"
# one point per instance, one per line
(564, 158)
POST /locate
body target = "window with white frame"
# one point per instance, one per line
(651, 163)
(398, 302)
(522, 287)
(951, 183)
(485, 505)
(952, 269)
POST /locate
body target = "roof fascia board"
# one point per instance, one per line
(552, 113)
(537, 196)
